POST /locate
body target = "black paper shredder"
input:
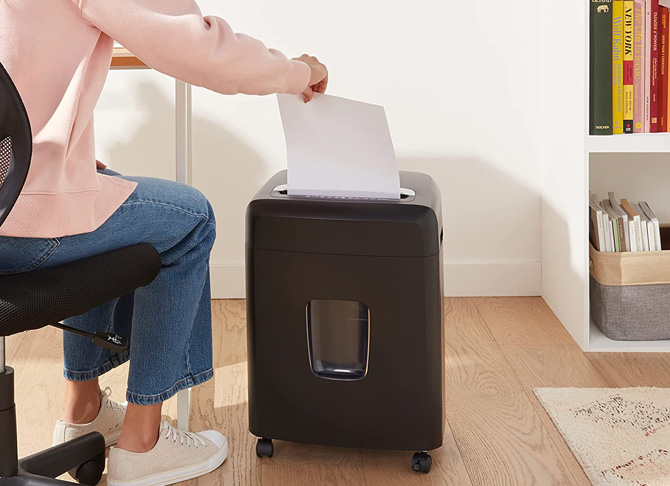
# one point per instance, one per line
(344, 319)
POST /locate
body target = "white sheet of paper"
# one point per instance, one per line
(338, 147)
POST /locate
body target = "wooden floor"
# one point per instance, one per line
(497, 434)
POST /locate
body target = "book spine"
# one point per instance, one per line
(632, 239)
(655, 38)
(663, 68)
(666, 83)
(638, 67)
(617, 67)
(628, 60)
(624, 235)
(618, 245)
(601, 231)
(647, 66)
(600, 68)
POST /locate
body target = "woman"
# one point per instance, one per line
(58, 54)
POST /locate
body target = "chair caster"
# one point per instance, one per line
(90, 473)
(265, 448)
(421, 462)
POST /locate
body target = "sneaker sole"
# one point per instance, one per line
(179, 475)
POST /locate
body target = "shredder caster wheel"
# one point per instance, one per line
(421, 462)
(90, 473)
(265, 448)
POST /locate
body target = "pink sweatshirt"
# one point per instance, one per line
(58, 53)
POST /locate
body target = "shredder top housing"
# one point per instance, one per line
(409, 227)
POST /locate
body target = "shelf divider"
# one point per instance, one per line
(629, 143)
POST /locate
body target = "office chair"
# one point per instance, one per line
(39, 298)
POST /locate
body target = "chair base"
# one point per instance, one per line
(84, 455)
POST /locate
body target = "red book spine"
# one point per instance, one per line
(663, 77)
(655, 71)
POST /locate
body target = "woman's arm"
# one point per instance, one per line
(174, 38)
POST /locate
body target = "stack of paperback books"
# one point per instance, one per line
(623, 226)
(628, 72)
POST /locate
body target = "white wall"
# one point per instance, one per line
(460, 84)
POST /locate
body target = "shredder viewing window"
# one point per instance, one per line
(338, 333)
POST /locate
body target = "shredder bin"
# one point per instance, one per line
(345, 326)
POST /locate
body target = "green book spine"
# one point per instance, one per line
(600, 68)
(617, 241)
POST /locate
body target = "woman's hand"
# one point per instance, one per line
(319, 79)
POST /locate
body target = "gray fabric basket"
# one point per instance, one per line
(630, 293)
(633, 312)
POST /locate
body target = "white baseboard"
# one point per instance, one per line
(460, 279)
(492, 279)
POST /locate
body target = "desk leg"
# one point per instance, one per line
(183, 135)
(183, 174)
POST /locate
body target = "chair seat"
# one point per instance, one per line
(36, 299)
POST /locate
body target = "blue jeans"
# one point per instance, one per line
(168, 321)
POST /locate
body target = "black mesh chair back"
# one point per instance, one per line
(47, 296)
(15, 144)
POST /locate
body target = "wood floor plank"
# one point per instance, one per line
(229, 334)
(620, 370)
(12, 345)
(523, 321)
(554, 366)
(501, 438)
(383, 468)
(321, 475)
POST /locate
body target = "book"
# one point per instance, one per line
(647, 66)
(628, 59)
(633, 240)
(638, 66)
(655, 224)
(616, 236)
(667, 84)
(636, 225)
(597, 227)
(609, 229)
(612, 228)
(622, 221)
(655, 38)
(663, 72)
(617, 67)
(600, 67)
(645, 225)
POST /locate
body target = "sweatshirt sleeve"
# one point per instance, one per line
(174, 38)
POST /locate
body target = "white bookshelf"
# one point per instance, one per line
(567, 150)
(635, 143)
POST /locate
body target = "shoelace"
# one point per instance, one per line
(109, 405)
(168, 431)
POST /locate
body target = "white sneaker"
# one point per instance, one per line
(177, 456)
(108, 422)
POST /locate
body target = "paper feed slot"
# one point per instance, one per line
(406, 194)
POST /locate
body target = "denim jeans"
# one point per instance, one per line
(168, 322)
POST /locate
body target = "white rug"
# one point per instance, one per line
(620, 436)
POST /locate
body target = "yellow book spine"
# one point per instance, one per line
(628, 58)
(617, 66)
